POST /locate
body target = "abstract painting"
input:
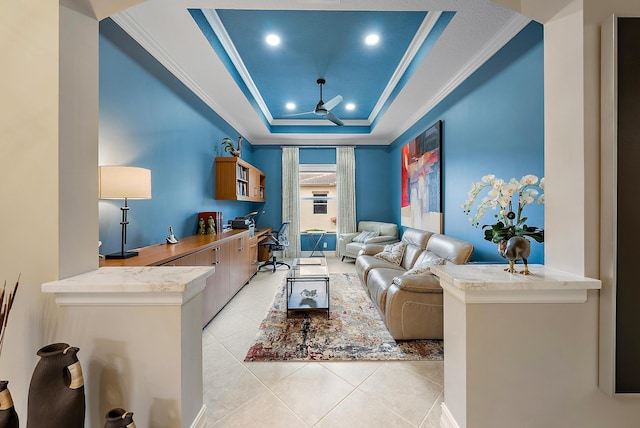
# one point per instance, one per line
(421, 181)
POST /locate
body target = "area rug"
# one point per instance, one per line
(354, 331)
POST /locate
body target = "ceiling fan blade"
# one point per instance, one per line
(333, 118)
(332, 102)
(299, 114)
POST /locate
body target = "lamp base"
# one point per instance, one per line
(121, 255)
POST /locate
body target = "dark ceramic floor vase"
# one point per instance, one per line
(56, 393)
(119, 418)
(8, 415)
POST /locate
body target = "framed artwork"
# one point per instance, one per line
(421, 181)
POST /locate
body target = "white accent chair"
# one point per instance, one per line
(383, 233)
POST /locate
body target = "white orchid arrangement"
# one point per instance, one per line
(500, 197)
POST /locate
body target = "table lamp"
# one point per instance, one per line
(124, 182)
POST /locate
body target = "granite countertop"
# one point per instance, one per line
(486, 283)
(131, 285)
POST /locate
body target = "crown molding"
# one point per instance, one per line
(128, 23)
(501, 38)
(414, 47)
(224, 38)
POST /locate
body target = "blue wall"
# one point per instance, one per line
(149, 119)
(373, 188)
(492, 124)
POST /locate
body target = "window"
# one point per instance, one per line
(320, 202)
(318, 197)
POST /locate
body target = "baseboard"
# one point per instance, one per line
(201, 418)
(446, 419)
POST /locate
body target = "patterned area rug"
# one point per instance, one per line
(354, 331)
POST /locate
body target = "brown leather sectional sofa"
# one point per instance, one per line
(411, 304)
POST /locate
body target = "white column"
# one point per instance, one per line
(509, 340)
(140, 339)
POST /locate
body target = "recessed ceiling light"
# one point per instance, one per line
(350, 106)
(372, 40)
(290, 106)
(272, 39)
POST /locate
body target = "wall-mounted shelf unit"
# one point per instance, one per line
(238, 180)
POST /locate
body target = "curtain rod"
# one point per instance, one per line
(319, 147)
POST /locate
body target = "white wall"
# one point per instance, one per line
(29, 192)
(78, 142)
(572, 210)
(48, 178)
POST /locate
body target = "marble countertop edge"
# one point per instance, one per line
(150, 279)
(487, 277)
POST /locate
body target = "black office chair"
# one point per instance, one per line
(278, 242)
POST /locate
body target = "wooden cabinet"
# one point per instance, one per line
(257, 181)
(231, 253)
(253, 255)
(239, 263)
(216, 293)
(239, 180)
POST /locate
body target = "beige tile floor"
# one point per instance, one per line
(307, 394)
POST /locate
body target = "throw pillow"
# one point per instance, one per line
(364, 235)
(424, 267)
(392, 253)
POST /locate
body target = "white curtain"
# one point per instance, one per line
(346, 183)
(291, 199)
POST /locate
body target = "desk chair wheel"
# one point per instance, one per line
(275, 263)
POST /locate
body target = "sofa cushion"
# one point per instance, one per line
(425, 266)
(388, 229)
(451, 249)
(366, 263)
(416, 241)
(392, 253)
(363, 236)
(416, 237)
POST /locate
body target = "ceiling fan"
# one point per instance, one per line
(323, 109)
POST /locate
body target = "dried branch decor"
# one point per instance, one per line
(6, 303)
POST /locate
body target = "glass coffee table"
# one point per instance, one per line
(308, 285)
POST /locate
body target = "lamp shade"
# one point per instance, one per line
(119, 182)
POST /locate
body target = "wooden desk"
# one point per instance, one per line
(263, 252)
(161, 254)
(234, 255)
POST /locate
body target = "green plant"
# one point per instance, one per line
(509, 223)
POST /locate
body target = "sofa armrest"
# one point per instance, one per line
(348, 237)
(418, 283)
(343, 240)
(371, 249)
(385, 239)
